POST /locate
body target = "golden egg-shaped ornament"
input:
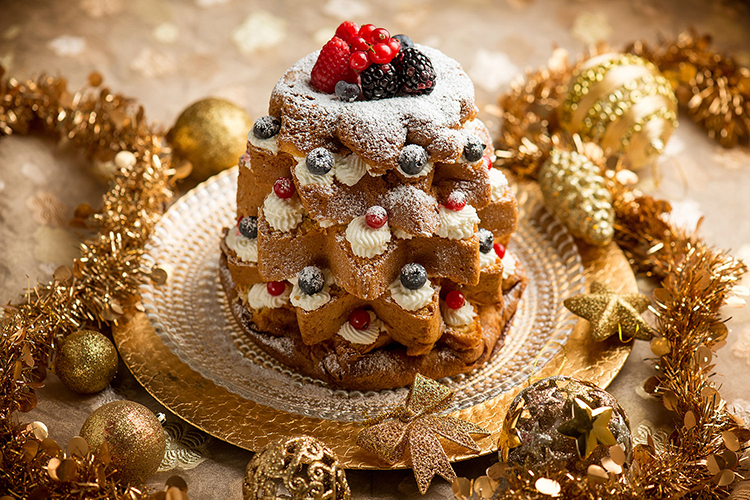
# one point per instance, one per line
(211, 134)
(134, 435)
(301, 465)
(86, 362)
(574, 189)
(623, 103)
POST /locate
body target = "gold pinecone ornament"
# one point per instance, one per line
(574, 189)
(623, 103)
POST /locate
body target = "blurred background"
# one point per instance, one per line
(170, 53)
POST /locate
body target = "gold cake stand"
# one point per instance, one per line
(231, 417)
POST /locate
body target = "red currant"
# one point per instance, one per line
(456, 201)
(455, 299)
(395, 45)
(499, 250)
(381, 53)
(284, 187)
(359, 60)
(275, 288)
(380, 35)
(487, 162)
(376, 216)
(347, 30)
(366, 30)
(359, 43)
(359, 319)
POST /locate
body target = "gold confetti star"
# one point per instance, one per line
(588, 427)
(611, 313)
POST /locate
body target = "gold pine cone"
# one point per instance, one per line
(575, 191)
(86, 362)
(302, 464)
(212, 135)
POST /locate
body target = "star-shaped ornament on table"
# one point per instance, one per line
(509, 437)
(612, 313)
(589, 427)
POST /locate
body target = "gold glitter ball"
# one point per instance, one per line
(574, 189)
(212, 135)
(86, 362)
(135, 437)
(623, 103)
(302, 465)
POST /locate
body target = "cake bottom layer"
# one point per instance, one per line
(340, 365)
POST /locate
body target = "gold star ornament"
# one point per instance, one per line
(612, 313)
(416, 424)
(509, 435)
(589, 427)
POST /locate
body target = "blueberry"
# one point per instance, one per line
(311, 280)
(412, 159)
(486, 240)
(249, 227)
(319, 161)
(413, 276)
(266, 127)
(346, 91)
(474, 148)
(405, 41)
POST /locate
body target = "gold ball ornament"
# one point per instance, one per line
(574, 189)
(86, 362)
(212, 135)
(623, 103)
(135, 437)
(303, 465)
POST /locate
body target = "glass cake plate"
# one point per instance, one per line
(188, 327)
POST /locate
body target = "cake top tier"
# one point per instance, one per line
(376, 130)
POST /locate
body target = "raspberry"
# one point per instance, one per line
(284, 188)
(376, 217)
(456, 201)
(275, 288)
(415, 72)
(331, 66)
(379, 81)
(347, 30)
(499, 250)
(455, 299)
(359, 319)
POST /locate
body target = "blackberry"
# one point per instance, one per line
(474, 148)
(319, 161)
(266, 127)
(486, 240)
(311, 280)
(412, 159)
(249, 227)
(346, 91)
(413, 276)
(415, 72)
(379, 81)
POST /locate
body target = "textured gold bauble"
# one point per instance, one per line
(558, 420)
(301, 464)
(86, 362)
(212, 135)
(574, 189)
(135, 437)
(623, 103)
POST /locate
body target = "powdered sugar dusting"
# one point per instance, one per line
(375, 130)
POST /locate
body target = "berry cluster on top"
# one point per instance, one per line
(367, 62)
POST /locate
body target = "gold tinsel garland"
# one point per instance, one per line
(103, 282)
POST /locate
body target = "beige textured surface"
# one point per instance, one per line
(169, 53)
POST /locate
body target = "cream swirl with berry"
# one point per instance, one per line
(462, 316)
(245, 248)
(258, 297)
(400, 233)
(310, 302)
(411, 300)
(350, 169)
(487, 259)
(509, 265)
(306, 178)
(270, 144)
(367, 241)
(457, 224)
(365, 336)
(283, 214)
(498, 184)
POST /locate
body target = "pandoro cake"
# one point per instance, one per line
(371, 232)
